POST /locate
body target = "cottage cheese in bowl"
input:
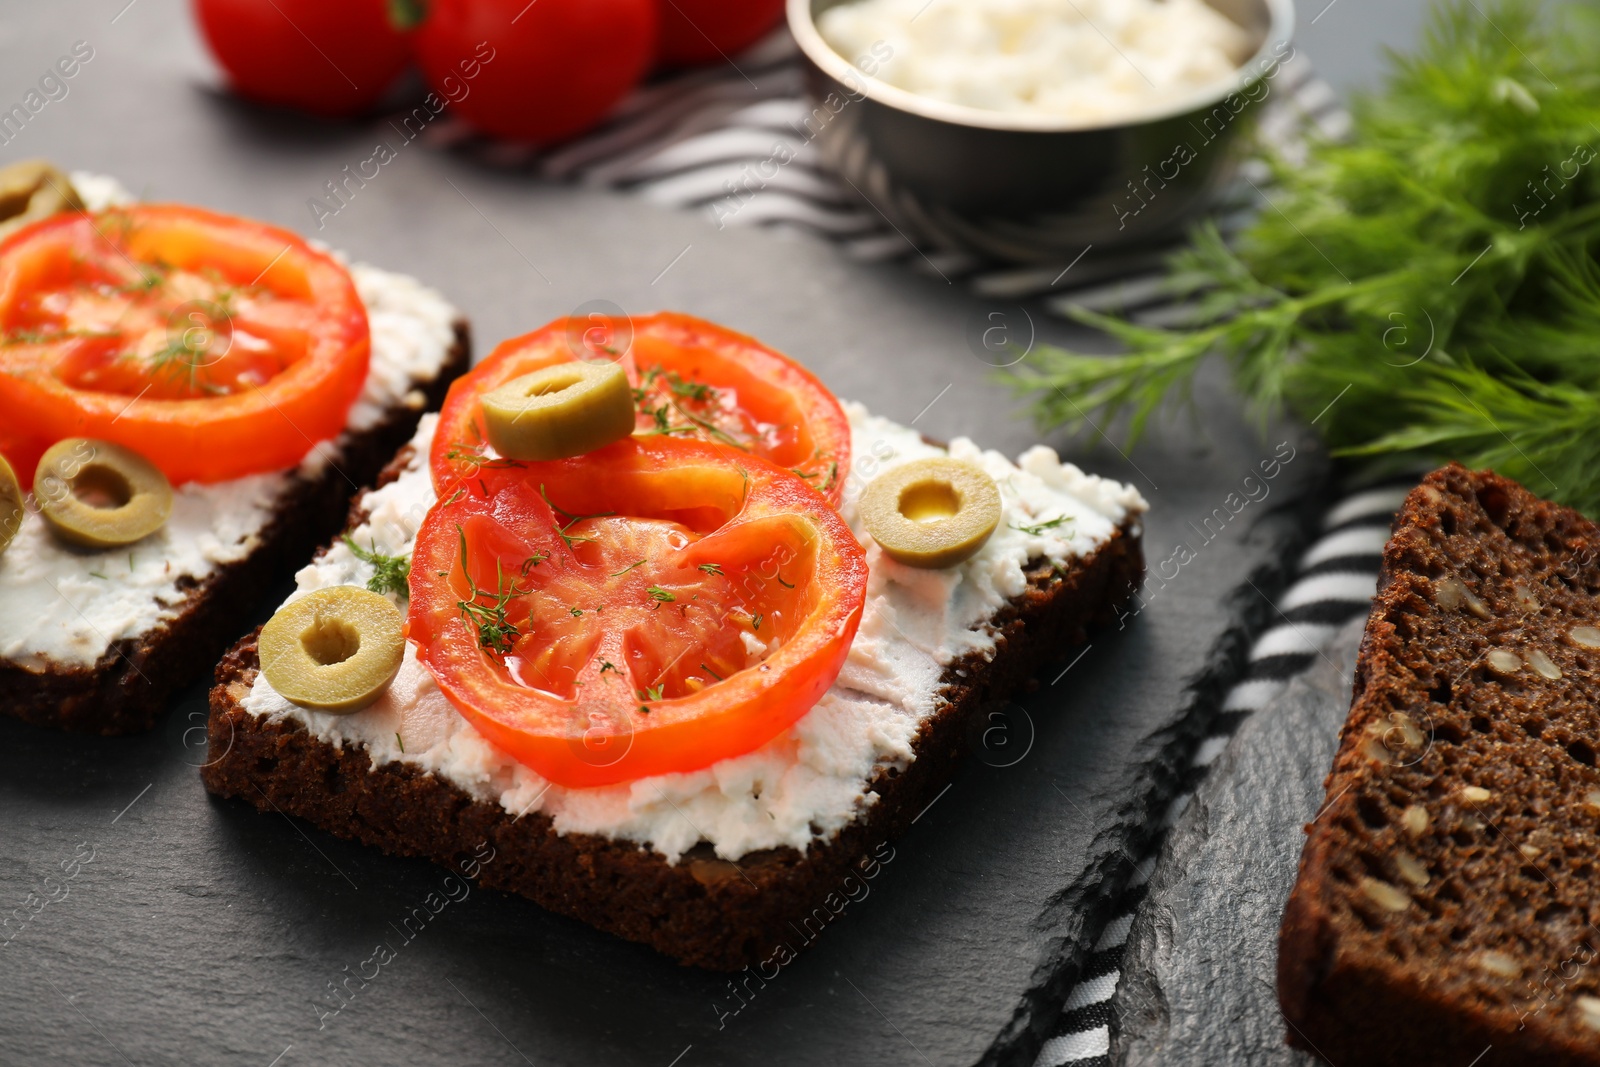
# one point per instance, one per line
(1079, 60)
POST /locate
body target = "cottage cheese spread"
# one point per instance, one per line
(1072, 59)
(65, 607)
(810, 781)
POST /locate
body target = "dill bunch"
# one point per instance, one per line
(1427, 288)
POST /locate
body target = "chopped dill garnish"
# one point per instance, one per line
(390, 574)
(573, 520)
(1041, 527)
(477, 458)
(495, 632)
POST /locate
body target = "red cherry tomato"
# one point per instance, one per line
(702, 31)
(535, 70)
(329, 57)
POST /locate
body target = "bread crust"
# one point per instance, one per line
(133, 683)
(1491, 942)
(702, 911)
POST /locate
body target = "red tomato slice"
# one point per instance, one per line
(215, 346)
(694, 380)
(652, 607)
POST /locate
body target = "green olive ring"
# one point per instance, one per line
(335, 649)
(932, 512)
(561, 411)
(11, 507)
(100, 495)
(33, 190)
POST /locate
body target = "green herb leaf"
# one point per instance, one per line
(390, 574)
(496, 633)
(1039, 528)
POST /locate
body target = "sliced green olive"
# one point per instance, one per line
(101, 495)
(33, 190)
(932, 512)
(561, 411)
(335, 649)
(11, 511)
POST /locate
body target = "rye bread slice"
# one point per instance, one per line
(1446, 906)
(134, 681)
(703, 911)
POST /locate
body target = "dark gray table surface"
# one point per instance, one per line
(1200, 973)
(206, 932)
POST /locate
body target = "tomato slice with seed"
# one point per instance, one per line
(693, 380)
(652, 607)
(215, 346)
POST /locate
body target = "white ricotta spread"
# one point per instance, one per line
(64, 606)
(1073, 59)
(811, 780)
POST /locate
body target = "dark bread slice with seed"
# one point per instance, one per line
(703, 911)
(1446, 907)
(134, 681)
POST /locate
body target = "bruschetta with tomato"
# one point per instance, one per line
(679, 638)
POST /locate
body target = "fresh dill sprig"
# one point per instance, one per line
(476, 458)
(690, 389)
(564, 532)
(1040, 527)
(1425, 289)
(496, 633)
(390, 574)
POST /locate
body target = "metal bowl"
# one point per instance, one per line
(1030, 188)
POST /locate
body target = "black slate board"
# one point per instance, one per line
(207, 932)
(1200, 973)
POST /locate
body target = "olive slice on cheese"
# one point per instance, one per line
(334, 649)
(931, 512)
(561, 411)
(33, 190)
(100, 495)
(11, 510)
